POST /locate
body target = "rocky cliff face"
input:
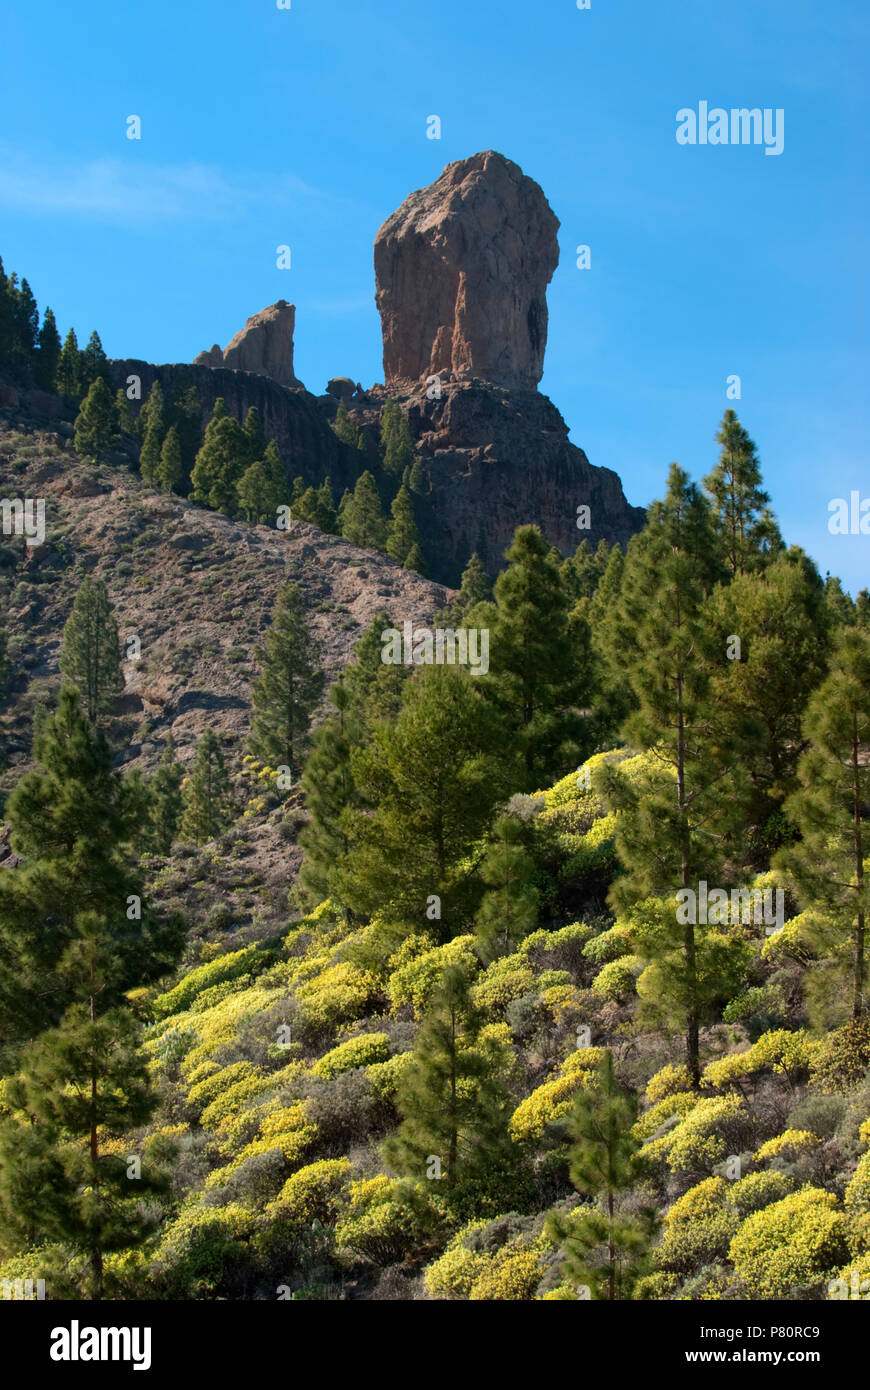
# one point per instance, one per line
(296, 420)
(264, 346)
(462, 270)
(494, 459)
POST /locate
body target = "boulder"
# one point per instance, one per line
(462, 270)
(264, 346)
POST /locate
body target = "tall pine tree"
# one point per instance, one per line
(829, 865)
(90, 656)
(677, 819)
(286, 692)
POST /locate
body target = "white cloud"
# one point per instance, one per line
(138, 194)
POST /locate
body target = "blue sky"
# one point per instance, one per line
(307, 126)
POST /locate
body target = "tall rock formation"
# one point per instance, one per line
(462, 270)
(264, 346)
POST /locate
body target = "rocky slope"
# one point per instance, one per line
(196, 589)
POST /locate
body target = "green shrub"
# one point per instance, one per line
(790, 1246)
(361, 1051)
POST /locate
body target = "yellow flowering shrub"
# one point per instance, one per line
(496, 989)
(680, 1103)
(339, 994)
(699, 1227)
(712, 1129)
(284, 1129)
(758, 1190)
(317, 1192)
(356, 1052)
(225, 968)
(386, 1220)
(453, 1274)
(609, 945)
(220, 1081)
(780, 1051)
(791, 1245)
(852, 1282)
(555, 1097)
(788, 1145)
(858, 1190)
(201, 1249)
(618, 979)
(414, 982)
(511, 1275)
(668, 1082)
(384, 1077)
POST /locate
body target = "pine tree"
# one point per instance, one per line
(839, 606)
(539, 662)
(170, 469)
(68, 369)
(675, 820)
(286, 693)
(277, 475)
(5, 315)
(253, 430)
(828, 865)
(612, 696)
(252, 491)
(90, 653)
(604, 1250)
(403, 537)
(165, 801)
(581, 572)
(396, 443)
(362, 521)
(96, 429)
(764, 678)
(743, 523)
(152, 427)
(433, 776)
(327, 518)
(509, 910)
(185, 415)
(414, 560)
(80, 1085)
(220, 464)
(126, 422)
(25, 322)
(417, 477)
(475, 586)
(73, 822)
(93, 362)
(345, 429)
(330, 795)
(207, 793)
(48, 352)
(374, 687)
(76, 934)
(453, 1099)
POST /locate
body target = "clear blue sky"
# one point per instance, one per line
(308, 126)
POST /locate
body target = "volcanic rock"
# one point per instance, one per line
(462, 269)
(264, 346)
